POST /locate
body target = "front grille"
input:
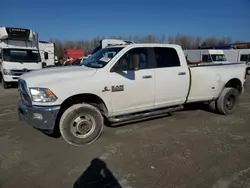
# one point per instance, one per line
(19, 72)
(22, 87)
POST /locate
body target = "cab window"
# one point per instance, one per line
(218, 57)
(136, 56)
(166, 57)
(206, 58)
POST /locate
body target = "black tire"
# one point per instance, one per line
(4, 84)
(228, 101)
(248, 71)
(212, 106)
(72, 131)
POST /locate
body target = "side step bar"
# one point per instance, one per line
(144, 115)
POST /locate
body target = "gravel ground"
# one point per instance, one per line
(192, 148)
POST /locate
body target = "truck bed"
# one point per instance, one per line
(207, 80)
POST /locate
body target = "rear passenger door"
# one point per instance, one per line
(171, 79)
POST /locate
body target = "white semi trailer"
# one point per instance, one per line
(239, 56)
(19, 53)
(206, 56)
(107, 42)
(47, 52)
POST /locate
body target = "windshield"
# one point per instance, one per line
(218, 57)
(101, 58)
(21, 55)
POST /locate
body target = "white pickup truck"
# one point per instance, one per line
(124, 83)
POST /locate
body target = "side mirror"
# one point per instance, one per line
(46, 55)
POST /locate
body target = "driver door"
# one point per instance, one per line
(132, 90)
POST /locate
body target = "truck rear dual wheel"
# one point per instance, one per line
(81, 124)
(228, 101)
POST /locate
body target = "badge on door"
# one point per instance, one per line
(105, 89)
(117, 88)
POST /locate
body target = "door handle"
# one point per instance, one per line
(182, 73)
(147, 76)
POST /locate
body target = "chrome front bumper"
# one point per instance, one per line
(42, 118)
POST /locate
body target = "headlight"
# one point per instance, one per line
(42, 95)
(6, 72)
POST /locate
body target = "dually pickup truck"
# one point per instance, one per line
(124, 83)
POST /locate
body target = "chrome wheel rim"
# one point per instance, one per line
(83, 126)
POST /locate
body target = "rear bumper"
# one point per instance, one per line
(42, 118)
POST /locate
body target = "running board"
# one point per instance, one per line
(144, 115)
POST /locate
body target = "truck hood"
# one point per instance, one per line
(19, 66)
(48, 76)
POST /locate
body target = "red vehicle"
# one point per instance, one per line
(73, 54)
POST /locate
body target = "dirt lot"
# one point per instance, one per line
(189, 149)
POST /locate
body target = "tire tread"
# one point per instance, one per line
(220, 102)
(72, 109)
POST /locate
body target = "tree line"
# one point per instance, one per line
(187, 42)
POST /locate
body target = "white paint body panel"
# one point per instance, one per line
(138, 92)
(50, 49)
(235, 55)
(208, 81)
(18, 66)
(165, 88)
(171, 88)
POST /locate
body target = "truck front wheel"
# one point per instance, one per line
(81, 124)
(228, 101)
(4, 84)
(248, 71)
